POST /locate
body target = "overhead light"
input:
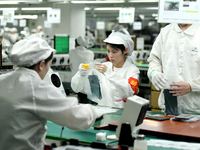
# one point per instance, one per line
(37, 8)
(87, 8)
(147, 8)
(8, 8)
(108, 8)
(8, 2)
(154, 15)
(93, 2)
(23, 17)
(144, 1)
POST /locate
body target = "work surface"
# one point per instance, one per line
(150, 128)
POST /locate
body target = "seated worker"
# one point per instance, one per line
(5, 44)
(27, 102)
(118, 78)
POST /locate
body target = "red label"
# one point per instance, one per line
(134, 84)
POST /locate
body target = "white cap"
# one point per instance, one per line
(39, 27)
(1, 32)
(120, 38)
(81, 41)
(26, 28)
(13, 30)
(30, 51)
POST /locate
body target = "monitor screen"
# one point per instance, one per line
(61, 44)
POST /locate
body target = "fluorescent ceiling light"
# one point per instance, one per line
(93, 2)
(8, 2)
(8, 8)
(108, 8)
(23, 17)
(148, 8)
(37, 8)
(144, 1)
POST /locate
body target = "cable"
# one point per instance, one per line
(61, 135)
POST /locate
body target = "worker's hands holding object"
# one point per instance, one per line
(181, 88)
(84, 69)
(101, 67)
(159, 80)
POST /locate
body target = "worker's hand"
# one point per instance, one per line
(159, 80)
(84, 69)
(101, 67)
(181, 88)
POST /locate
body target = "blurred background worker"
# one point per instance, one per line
(26, 31)
(174, 64)
(27, 101)
(40, 32)
(14, 36)
(77, 56)
(6, 33)
(5, 44)
(118, 78)
(80, 55)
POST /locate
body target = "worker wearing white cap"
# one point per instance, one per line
(14, 36)
(6, 33)
(26, 31)
(118, 78)
(27, 101)
(5, 44)
(77, 56)
(40, 31)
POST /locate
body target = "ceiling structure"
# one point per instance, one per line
(143, 8)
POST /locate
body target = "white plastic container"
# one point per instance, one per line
(140, 143)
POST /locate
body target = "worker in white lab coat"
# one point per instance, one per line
(77, 56)
(5, 45)
(80, 55)
(27, 102)
(14, 36)
(174, 64)
(118, 78)
(40, 32)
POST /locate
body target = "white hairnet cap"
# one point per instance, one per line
(81, 41)
(26, 28)
(120, 38)
(13, 30)
(30, 51)
(1, 32)
(39, 27)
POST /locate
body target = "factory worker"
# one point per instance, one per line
(5, 44)
(6, 33)
(40, 31)
(14, 36)
(26, 31)
(80, 55)
(27, 101)
(77, 56)
(174, 64)
(118, 78)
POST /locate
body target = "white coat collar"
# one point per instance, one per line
(80, 47)
(28, 71)
(121, 71)
(190, 31)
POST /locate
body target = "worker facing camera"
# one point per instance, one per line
(27, 101)
(116, 80)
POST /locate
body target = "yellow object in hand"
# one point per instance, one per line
(86, 66)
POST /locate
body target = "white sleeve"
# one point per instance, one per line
(62, 110)
(155, 56)
(121, 84)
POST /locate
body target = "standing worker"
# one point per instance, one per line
(175, 60)
(5, 44)
(118, 78)
(77, 56)
(27, 102)
(40, 32)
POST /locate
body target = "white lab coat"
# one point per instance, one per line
(5, 45)
(79, 55)
(27, 102)
(114, 84)
(174, 54)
